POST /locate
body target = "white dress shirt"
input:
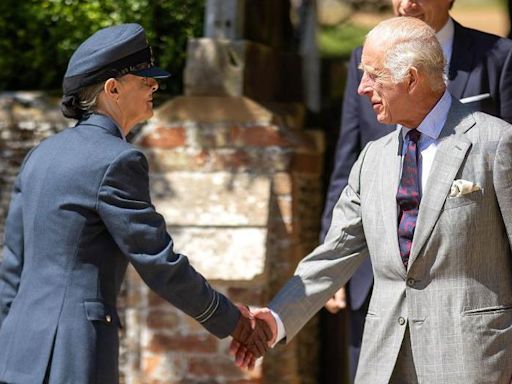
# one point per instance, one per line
(430, 129)
(445, 37)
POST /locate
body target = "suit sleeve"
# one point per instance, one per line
(12, 265)
(506, 89)
(320, 274)
(349, 142)
(125, 207)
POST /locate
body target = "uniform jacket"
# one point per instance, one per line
(80, 212)
(480, 64)
(456, 295)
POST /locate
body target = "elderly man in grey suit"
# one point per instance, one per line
(431, 204)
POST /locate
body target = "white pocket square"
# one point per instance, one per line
(463, 187)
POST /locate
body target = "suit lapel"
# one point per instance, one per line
(461, 61)
(450, 155)
(390, 171)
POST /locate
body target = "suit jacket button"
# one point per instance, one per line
(411, 282)
(108, 319)
(401, 320)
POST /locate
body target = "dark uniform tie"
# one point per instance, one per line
(408, 196)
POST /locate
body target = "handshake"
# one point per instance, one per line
(253, 335)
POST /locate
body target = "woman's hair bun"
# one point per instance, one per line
(70, 107)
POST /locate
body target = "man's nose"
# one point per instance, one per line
(364, 86)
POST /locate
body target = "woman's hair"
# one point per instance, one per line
(410, 42)
(81, 104)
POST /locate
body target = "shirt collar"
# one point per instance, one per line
(445, 38)
(433, 123)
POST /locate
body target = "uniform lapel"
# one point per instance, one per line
(390, 176)
(461, 61)
(450, 155)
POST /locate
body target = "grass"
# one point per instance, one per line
(339, 40)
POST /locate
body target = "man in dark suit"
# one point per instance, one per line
(480, 74)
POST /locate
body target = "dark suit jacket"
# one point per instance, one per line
(81, 210)
(480, 64)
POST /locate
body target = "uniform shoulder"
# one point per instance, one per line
(86, 144)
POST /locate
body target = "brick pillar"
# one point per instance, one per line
(239, 186)
(238, 179)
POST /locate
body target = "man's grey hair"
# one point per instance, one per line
(410, 42)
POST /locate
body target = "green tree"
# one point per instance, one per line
(37, 37)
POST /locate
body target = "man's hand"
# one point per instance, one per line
(265, 315)
(337, 302)
(250, 339)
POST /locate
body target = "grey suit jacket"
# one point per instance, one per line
(81, 210)
(456, 296)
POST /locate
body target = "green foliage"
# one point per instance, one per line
(37, 37)
(339, 40)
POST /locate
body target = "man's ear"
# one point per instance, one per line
(110, 88)
(412, 79)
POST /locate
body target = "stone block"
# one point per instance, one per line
(230, 68)
(262, 160)
(212, 199)
(236, 68)
(211, 109)
(225, 253)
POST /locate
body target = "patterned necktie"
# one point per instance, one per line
(408, 196)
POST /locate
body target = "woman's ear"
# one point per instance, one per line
(110, 88)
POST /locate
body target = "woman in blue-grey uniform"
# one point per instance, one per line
(80, 211)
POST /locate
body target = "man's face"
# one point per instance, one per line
(433, 12)
(389, 100)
